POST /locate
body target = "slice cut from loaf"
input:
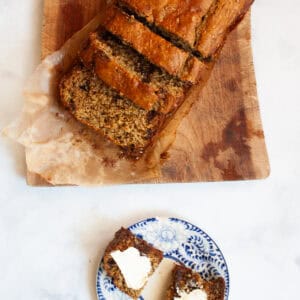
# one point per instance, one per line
(125, 70)
(185, 281)
(155, 48)
(123, 240)
(100, 107)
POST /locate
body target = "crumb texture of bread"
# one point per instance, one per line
(100, 107)
(123, 240)
(185, 280)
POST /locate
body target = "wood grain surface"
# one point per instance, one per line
(222, 137)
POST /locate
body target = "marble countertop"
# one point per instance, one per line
(51, 239)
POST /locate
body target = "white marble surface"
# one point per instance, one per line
(51, 239)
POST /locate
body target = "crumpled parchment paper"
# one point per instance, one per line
(64, 152)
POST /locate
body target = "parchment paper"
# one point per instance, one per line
(58, 148)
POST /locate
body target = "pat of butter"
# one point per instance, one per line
(134, 267)
(194, 295)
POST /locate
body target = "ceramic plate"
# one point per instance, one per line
(180, 241)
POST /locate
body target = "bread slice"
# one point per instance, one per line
(125, 70)
(186, 281)
(124, 240)
(100, 107)
(155, 48)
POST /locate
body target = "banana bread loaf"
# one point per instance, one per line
(138, 68)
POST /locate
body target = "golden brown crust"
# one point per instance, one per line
(123, 240)
(155, 48)
(222, 18)
(185, 280)
(178, 17)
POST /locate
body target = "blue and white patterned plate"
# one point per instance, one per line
(181, 242)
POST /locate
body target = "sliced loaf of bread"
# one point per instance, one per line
(138, 68)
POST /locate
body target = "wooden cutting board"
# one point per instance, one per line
(222, 137)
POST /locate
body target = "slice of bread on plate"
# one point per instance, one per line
(130, 261)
